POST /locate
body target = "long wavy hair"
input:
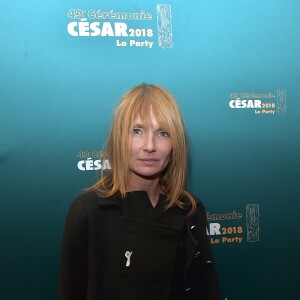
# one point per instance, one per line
(142, 100)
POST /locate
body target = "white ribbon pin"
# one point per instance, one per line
(128, 255)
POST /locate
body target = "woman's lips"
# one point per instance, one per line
(148, 161)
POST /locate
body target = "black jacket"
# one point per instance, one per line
(93, 238)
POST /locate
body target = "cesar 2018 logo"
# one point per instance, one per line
(133, 29)
(92, 161)
(261, 104)
(228, 228)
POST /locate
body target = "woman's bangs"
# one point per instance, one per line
(163, 116)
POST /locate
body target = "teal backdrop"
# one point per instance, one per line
(234, 69)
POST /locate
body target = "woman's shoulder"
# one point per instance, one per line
(88, 201)
(188, 197)
(92, 200)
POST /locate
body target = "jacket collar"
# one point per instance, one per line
(115, 200)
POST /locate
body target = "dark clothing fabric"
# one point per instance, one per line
(124, 249)
(147, 226)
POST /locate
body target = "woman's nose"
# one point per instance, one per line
(149, 145)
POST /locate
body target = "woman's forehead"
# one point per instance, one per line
(151, 116)
(149, 121)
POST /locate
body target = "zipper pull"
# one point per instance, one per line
(128, 255)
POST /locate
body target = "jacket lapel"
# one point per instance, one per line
(191, 244)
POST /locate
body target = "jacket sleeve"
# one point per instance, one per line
(74, 261)
(202, 276)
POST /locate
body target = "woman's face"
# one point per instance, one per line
(149, 149)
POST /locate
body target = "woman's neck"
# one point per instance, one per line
(151, 186)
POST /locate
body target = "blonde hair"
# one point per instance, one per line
(141, 101)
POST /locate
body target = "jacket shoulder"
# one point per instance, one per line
(88, 201)
(92, 200)
(200, 208)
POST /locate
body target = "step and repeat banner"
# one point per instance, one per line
(233, 67)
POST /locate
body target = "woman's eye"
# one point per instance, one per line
(163, 134)
(136, 131)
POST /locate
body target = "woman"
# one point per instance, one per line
(138, 234)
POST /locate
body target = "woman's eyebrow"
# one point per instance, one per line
(143, 126)
(138, 125)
